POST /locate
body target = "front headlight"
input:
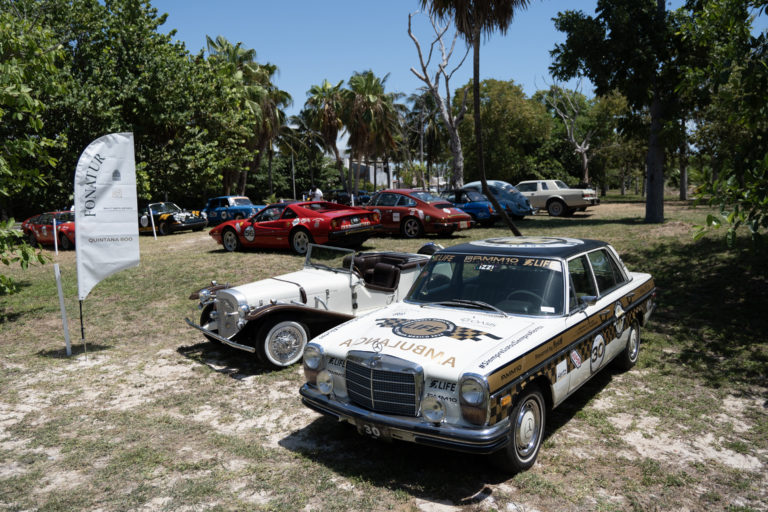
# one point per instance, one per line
(472, 392)
(313, 362)
(473, 398)
(205, 296)
(204, 215)
(243, 310)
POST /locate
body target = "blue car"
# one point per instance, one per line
(474, 203)
(515, 203)
(223, 208)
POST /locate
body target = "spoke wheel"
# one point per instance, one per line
(526, 432)
(282, 343)
(300, 240)
(411, 228)
(229, 240)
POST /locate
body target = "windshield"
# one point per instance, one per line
(164, 208)
(527, 286)
(242, 201)
(331, 258)
(425, 196)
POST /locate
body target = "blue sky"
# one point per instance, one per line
(311, 40)
(314, 40)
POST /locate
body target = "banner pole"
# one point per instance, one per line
(152, 220)
(82, 331)
(55, 239)
(64, 321)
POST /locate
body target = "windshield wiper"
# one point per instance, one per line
(466, 302)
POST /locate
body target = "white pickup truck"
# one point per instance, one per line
(557, 197)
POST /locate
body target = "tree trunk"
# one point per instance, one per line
(375, 176)
(339, 166)
(654, 204)
(479, 134)
(584, 167)
(684, 167)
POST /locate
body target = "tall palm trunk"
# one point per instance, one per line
(479, 133)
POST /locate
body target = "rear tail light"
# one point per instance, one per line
(335, 224)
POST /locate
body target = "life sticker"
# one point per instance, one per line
(575, 359)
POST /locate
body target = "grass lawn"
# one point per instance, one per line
(155, 418)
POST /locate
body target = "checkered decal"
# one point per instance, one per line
(465, 333)
(498, 412)
(391, 322)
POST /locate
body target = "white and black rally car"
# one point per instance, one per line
(491, 336)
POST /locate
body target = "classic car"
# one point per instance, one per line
(167, 218)
(515, 204)
(492, 335)
(557, 197)
(343, 197)
(295, 225)
(222, 208)
(39, 229)
(473, 203)
(275, 317)
(415, 212)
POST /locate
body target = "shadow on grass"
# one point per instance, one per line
(712, 307)
(222, 359)
(421, 471)
(77, 349)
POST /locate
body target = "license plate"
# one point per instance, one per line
(371, 430)
(463, 224)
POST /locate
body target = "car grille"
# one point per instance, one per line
(384, 383)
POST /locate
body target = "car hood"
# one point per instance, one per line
(445, 341)
(287, 287)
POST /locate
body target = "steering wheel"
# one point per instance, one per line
(525, 292)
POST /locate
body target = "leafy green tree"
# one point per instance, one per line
(473, 18)
(323, 110)
(514, 128)
(629, 46)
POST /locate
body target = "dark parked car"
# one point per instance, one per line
(169, 218)
(515, 203)
(473, 203)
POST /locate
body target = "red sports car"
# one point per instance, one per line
(296, 225)
(414, 212)
(39, 229)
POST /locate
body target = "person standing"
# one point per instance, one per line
(315, 194)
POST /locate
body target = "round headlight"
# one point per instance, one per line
(312, 357)
(243, 310)
(204, 215)
(325, 382)
(472, 392)
(432, 410)
(205, 295)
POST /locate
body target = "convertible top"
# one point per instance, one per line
(526, 246)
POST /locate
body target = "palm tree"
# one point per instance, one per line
(425, 126)
(368, 114)
(323, 110)
(473, 18)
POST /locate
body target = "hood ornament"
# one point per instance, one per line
(377, 346)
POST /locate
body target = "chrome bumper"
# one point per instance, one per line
(481, 440)
(215, 336)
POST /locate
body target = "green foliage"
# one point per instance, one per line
(514, 128)
(14, 249)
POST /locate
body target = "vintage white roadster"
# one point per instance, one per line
(275, 317)
(492, 335)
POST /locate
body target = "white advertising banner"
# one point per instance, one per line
(106, 213)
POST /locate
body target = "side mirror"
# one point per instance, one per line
(588, 300)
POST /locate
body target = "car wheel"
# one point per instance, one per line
(628, 357)
(164, 229)
(525, 432)
(64, 242)
(556, 208)
(229, 240)
(300, 240)
(282, 344)
(206, 322)
(411, 227)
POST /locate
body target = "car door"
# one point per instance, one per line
(269, 227)
(44, 231)
(611, 287)
(583, 306)
(385, 205)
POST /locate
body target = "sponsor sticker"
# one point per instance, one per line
(396, 216)
(249, 233)
(294, 222)
(528, 242)
(562, 369)
(424, 328)
(575, 359)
